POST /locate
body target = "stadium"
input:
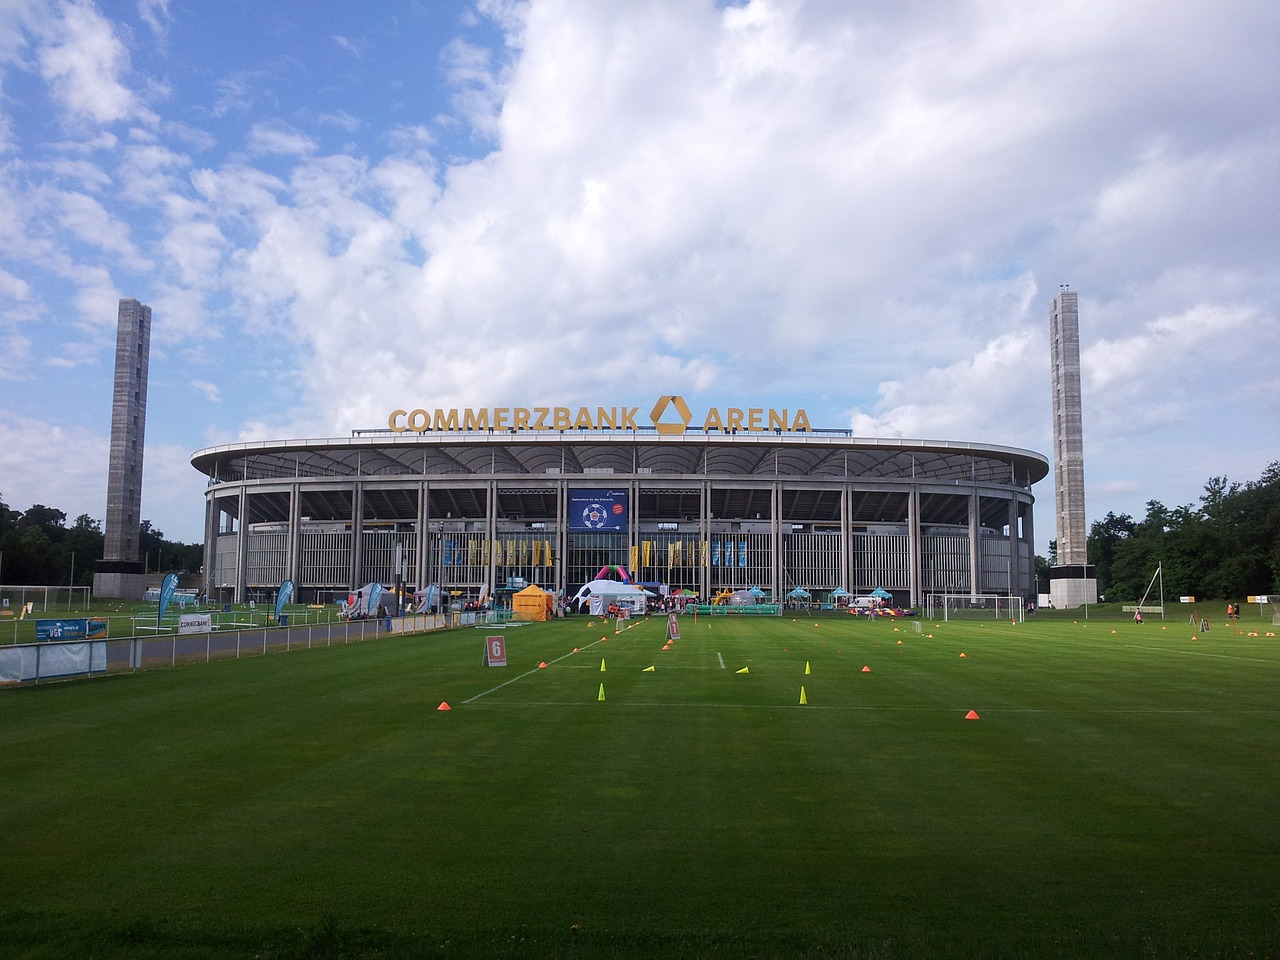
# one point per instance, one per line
(480, 499)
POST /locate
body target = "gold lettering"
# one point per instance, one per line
(776, 422)
(713, 420)
(446, 420)
(500, 415)
(562, 421)
(521, 419)
(755, 418)
(606, 417)
(801, 421)
(419, 421)
(628, 418)
(541, 422)
(473, 420)
(391, 421)
(583, 422)
(735, 418)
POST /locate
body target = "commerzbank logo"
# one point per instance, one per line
(670, 416)
(682, 414)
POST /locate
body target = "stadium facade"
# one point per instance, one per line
(724, 499)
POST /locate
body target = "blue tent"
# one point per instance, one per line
(882, 593)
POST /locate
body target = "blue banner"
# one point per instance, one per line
(597, 509)
(167, 589)
(715, 553)
(375, 592)
(728, 553)
(74, 629)
(283, 596)
(742, 554)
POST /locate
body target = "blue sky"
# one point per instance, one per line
(858, 208)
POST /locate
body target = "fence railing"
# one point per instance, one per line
(65, 659)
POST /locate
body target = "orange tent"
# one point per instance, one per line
(532, 603)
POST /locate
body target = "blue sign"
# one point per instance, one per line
(77, 629)
(284, 595)
(597, 509)
(168, 587)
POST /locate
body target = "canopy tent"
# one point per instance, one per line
(798, 593)
(531, 603)
(370, 600)
(755, 592)
(839, 592)
(882, 593)
(598, 595)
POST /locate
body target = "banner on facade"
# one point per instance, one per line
(597, 509)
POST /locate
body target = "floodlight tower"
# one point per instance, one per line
(1072, 580)
(120, 573)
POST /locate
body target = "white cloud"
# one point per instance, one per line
(279, 138)
(155, 14)
(210, 390)
(84, 63)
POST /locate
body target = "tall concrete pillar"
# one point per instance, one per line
(1072, 580)
(120, 574)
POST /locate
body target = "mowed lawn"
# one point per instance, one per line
(1118, 795)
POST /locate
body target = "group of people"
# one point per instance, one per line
(1233, 611)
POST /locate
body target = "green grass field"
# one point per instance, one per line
(1118, 797)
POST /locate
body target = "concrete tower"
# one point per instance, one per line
(120, 573)
(1071, 581)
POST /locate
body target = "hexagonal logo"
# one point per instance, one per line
(682, 410)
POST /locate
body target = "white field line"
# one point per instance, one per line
(528, 673)
(720, 657)
(1199, 653)
(987, 712)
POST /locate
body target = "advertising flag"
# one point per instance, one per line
(283, 596)
(168, 587)
(742, 553)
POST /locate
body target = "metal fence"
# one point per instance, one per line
(63, 660)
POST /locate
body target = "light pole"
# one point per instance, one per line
(399, 578)
(440, 583)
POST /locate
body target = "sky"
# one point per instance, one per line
(860, 208)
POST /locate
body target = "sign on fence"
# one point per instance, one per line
(74, 629)
(195, 623)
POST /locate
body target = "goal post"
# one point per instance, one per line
(974, 606)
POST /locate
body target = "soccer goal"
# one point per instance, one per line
(974, 606)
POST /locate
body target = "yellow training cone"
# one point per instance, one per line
(648, 670)
(601, 695)
(743, 670)
(804, 700)
(807, 671)
(602, 664)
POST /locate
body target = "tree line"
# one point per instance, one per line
(1226, 548)
(37, 548)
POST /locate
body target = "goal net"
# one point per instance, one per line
(971, 606)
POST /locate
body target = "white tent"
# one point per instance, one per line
(371, 600)
(597, 595)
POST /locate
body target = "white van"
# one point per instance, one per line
(865, 603)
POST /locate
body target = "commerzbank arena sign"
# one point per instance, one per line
(669, 416)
